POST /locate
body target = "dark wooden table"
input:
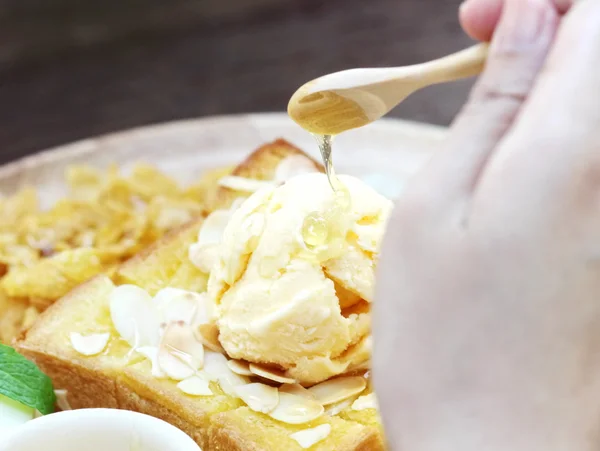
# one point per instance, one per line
(70, 69)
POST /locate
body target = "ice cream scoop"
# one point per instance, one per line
(283, 302)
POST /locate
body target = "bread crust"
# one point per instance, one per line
(260, 165)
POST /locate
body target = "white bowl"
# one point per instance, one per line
(98, 430)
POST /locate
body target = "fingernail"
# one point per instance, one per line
(464, 6)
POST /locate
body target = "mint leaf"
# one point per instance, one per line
(22, 381)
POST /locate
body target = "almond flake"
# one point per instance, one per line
(364, 366)
(180, 340)
(240, 367)
(180, 355)
(89, 345)
(259, 397)
(151, 353)
(176, 305)
(62, 401)
(365, 402)
(298, 390)
(172, 366)
(270, 374)
(216, 368)
(135, 316)
(294, 409)
(195, 386)
(243, 184)
(310, 437)
(338, 389)
(334, 409)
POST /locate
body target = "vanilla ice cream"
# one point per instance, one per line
(281, 302)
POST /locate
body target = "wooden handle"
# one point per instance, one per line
(466, 63)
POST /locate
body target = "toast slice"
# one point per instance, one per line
(119, 378)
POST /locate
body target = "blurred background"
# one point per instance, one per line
(70, 69)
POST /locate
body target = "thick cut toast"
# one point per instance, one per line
(116, 378)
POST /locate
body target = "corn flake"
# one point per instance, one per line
(106, 219)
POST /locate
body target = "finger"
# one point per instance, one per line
(517, 53)
(480, 18)
(552, 155)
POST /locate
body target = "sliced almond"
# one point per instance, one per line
(208, 335)
(62, 401)
(172, 366)
(338, 389)
(270, 374)
(363, 366)
(365, 402)
(298, 390)
(240, 367)
(89, 345)
(294, 409)
(151, 353)
(135, 316)
(195, 386)
(175, 304)
(334, 409)
(310, 437)
(216, 368)
(179, 340)
(259, 397)
(243, 184)
(180, 355)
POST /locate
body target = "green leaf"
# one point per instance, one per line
(23, 381)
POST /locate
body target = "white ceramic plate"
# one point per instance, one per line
(97, 430)
(390, 148)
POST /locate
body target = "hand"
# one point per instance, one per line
(487, 317)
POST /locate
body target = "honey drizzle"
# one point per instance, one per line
(324, 143)
(325, 232)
